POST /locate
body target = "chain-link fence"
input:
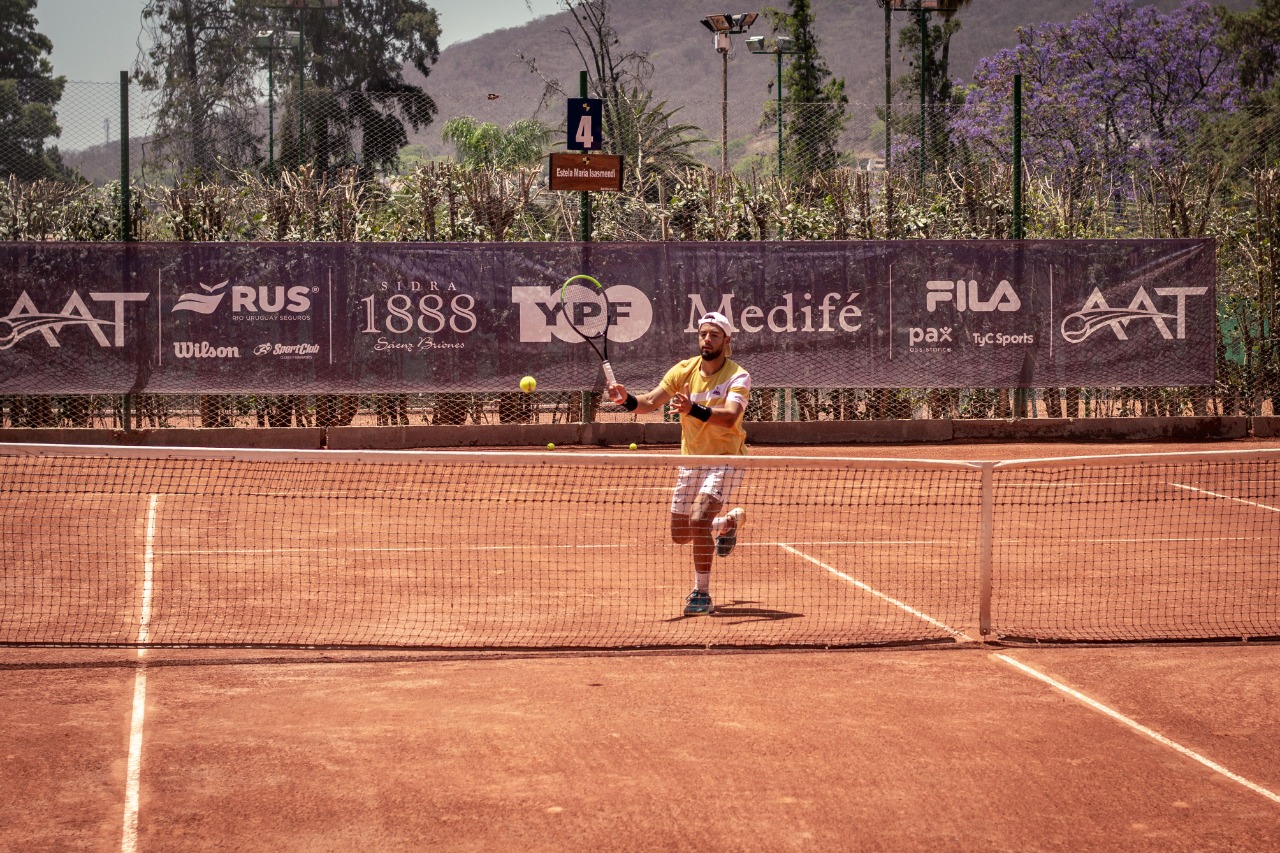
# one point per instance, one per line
(339, 168)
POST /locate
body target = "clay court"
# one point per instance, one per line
(737, 731)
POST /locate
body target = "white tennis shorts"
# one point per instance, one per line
(718, 482)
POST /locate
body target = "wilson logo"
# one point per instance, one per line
(203, 349)
(25, 319)
(1097, 315)
(967, 298)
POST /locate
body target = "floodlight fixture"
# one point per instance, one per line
(730, 24)
(723, 26)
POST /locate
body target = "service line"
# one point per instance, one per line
(1138, 727)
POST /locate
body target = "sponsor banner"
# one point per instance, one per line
(80, 318)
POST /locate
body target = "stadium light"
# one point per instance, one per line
(723, 26)
(779, 46)
(271, 41)
(301, 5)
(922, 9)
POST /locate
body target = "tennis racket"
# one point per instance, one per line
(588, 310)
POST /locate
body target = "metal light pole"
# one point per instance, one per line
(779, 47)
(921, 9)
(723, 26)
(267, 40)
(301, 6)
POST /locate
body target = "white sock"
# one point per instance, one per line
(702, 581)
(718, 524)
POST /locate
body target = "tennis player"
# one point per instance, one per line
(710, 392)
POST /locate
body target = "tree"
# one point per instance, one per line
(29, 94)
(1251, 134)
(938, 89)
(813, 102)
(355, 62)
(202, 65)
(484, 144)
(636, 125)
(1120, 86)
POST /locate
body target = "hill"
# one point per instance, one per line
(486, 78)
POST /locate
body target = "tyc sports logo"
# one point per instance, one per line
(1097, 315)
(263, 301)
(26, 318)
(542, 314)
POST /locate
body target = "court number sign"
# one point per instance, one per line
(584, 124)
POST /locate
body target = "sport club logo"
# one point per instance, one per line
(261, 300)
(966, 297)
(542, 314)
(1097, 315)
(25, 319)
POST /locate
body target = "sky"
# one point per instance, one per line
(94, 40)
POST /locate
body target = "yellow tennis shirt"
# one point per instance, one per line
(730, 382)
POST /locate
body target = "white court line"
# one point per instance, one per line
(133, 774)
(1226, 497)
(1138, 727)
(959, 635)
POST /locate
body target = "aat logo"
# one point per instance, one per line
(25, 318)
(1097, 315)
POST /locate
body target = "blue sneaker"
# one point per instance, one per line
(726, 541)
(697, 603)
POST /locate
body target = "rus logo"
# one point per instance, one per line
(24, 319)
(263, 299)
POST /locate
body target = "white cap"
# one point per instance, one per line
(718, 320)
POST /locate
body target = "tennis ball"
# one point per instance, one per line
(528, 384)
(551, 445)
(633, 445)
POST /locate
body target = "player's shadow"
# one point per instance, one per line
(743, 611)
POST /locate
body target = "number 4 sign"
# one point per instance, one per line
(584, 124)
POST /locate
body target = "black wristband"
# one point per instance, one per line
(631, 403)
(702, 413)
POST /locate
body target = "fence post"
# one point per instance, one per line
(584, 206)
(126, 202)
(1019, 393)
(986, 534)
(1017, 156)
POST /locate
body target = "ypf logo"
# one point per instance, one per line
(542, 314)
(967, 298)
(1097, 314)
(24, 319)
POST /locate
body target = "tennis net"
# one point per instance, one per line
(557, 550)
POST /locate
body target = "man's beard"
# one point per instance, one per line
(713, 355)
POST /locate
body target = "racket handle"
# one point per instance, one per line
(608, 373)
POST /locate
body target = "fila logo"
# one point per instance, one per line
(1097, 314)
(965, 295)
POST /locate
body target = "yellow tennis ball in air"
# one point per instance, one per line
(551, 445)
(633, 445)
(528, 384)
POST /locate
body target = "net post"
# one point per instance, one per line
(985, 535)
